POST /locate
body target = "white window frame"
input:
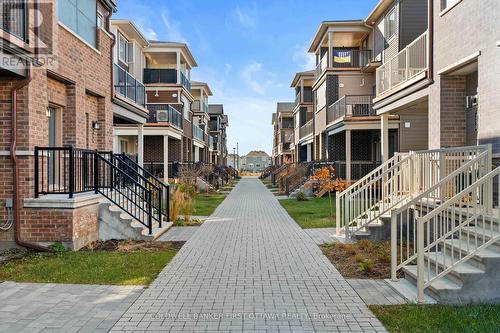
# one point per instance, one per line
(122, 39)
(447, 5)
(387, 24)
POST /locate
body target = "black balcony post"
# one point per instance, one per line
(167, 202)
(36, 172)
(150, 211)
(160, 206)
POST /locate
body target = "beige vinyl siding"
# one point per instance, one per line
(355, 85)
(415, 137)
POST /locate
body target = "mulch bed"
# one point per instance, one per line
(132, 246)
(361, 260)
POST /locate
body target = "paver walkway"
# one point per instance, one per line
(321, 235)
(249, 268)
(64, 308)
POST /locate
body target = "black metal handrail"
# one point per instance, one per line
(120, 188)
(68, 170)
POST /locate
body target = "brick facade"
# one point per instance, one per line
(79, 87)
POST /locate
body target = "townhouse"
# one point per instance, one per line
(218, 123)
(303, 114)
(94, 115)
(255, 161)
(283, 138)
(55, 87)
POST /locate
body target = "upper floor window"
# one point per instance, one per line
(445, 4)
(390, 23)
(123, 49)
(81, 17)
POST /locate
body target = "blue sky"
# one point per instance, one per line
(247, 51)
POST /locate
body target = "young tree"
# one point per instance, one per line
(328, 182)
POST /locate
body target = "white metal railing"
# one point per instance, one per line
(408, 63)
(350, 105)
(396, 182)
(322, 65)
(451, 233)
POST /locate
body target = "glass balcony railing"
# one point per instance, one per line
(14, 18)
(198, 133)
(165, 75)
(127, 86)
(164, 113)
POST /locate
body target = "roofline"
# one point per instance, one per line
(378, 10)
(323, 27)
(298, 75)
(202, 84)
(183, 46)
(127, 21)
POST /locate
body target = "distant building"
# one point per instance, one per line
(232, 159)
(255, 161)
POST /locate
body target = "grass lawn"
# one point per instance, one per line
(204, 205)
(313, 213)
(88, 267)
(439, 318)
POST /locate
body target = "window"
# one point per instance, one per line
(81, 17)
(100, 20)
(448, 4)
(390, 23)
(123, 49)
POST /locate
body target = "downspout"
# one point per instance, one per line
(13, 148)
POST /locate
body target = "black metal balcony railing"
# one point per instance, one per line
(306, 129)
(350, 105)
(165, 75)
(127, 86)
(306, 97)
(359, 169)
(345, 58)
(14, 18)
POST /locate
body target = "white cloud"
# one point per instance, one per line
(149, 33)
(301, 57)
(253, 76)
(173, 31)
(227, 68)
(247, 18)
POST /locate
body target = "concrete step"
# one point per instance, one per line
(409, 291)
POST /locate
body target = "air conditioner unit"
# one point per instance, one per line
(161, 115)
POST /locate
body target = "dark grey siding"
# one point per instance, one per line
(413, 18)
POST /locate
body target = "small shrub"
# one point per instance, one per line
(365, 244)
(57, 247)
(350, 249)
(359, 257)
(301, 196)
(182, 204)
(365, 265)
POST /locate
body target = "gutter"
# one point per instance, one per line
(13, 147)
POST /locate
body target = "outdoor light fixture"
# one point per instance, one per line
(96, 125)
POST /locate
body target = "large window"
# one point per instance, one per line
(81, 17)
(390, 23)
(123, 49)
(445, 4)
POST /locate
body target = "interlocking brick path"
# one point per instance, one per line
(321, 235)
(249, 268)
(179, 234)
(376, 292)
(44, 307)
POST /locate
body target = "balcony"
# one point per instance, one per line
(14, 18)
(198, 133)
(306, 97)
(345, 58)
(351, 106)
(306, 129)
(165, 113)
(165, 75)
(199, 106)
(408, 64)
(286, 123)
(127, 86)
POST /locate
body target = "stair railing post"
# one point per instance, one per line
(71, 172)
(160, 206)
(37, 166)
(337, 215)
(420, 261)
(150, 211)
(167, 202)
(489, 184)
(96, 173)
(394, 247)
(346, 216)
